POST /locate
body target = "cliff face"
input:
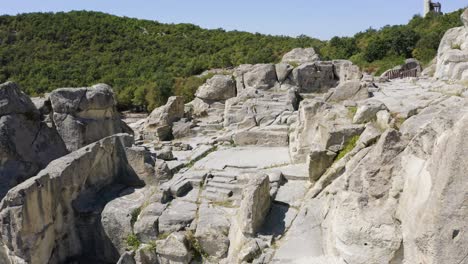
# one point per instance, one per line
(452, 55)
(304, 161)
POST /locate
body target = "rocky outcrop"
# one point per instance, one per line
(254, 208)
(56, 212)
(321, 127)
(217, 88)
(85, 115)
(27, 143)
(349, 90)
(300, 56)
(300, 166)
(158, 125)
(314, 77)
(452, 55)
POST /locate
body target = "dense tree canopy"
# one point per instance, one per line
(141, 59)
(379, 50)
(146, 61)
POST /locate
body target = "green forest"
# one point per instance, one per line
(147, 61)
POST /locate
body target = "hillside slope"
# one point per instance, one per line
(146, 61)
(44, 51)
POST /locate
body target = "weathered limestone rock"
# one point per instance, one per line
(321, 126)
(318, 162)
(261, 77)
(254, 208)
(349, 90)
(85, 115)
(146, 255)
(212, 231)
(261, 107)
(142, 163)
(174, 249)
(146, 227)
(346, 70)
(197, 108)
(178, 216)
(270, 136)
(452, 55)
(158, 125)
(368, 110)
(27, 144)
(218, 88)
(300, 56)
(126, 258)
(118, 214)
(255, 204)
(433, 201)
(282, 71)
(57, 212)
(182, 128)
(314, 77)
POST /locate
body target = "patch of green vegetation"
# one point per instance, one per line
(294, 64)
(348, 147)
(151, 245)
(195, 246)
(225, 203)
(163, 236)
(352, 111)
(399, 121)
(144, 61)
(276, 166)
(456, 46)
(377, 50)
(133, 242)
(134, 215)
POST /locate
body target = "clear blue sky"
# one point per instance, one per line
(316, 18)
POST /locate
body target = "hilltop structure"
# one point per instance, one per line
(430, 6)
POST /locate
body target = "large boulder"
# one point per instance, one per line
(346, 70)
(117, 217)
(212, 230)
(349, 90)
(321, 126)
(217, 88)
(174, 249)
(27, 144)
(85, 115)
(255, 206)
(158, 125)
(260, 76)
(55, 215)
(300, 56)
(314, 77)
(432, 207)
(452, 55)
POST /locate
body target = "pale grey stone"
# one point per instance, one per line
(177, 216)
(174, 249)
(300, 56)
(85, 115)
(217, 88)
(349, 90)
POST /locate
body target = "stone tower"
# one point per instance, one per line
(430, 6)
(427, 7)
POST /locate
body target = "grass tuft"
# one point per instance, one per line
(347, 148)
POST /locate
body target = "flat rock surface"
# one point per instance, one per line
(403, 96)
(245, 157)
(294, 171)
(302, 242)
(292, 192)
